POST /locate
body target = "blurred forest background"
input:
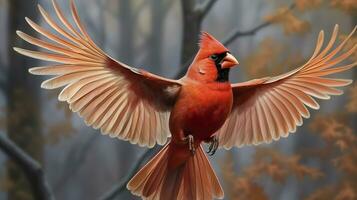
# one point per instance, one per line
(66, 160)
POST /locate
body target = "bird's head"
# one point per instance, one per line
(212, 62)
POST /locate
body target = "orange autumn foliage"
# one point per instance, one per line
(267, 162)
(349, 6)
(289, 21)
(333, 130)
(339, 151)
(303, 5)
(352, 104)
(342, 157)
(266, 60)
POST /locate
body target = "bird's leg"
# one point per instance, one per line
(214, 142)
(191, 143)
(183, 139)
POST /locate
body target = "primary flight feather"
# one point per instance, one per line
(203, 106)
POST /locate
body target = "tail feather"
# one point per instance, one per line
(154, 180)
(195, 179)
(211, 176)
(146, 176)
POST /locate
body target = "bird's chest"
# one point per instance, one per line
(202, 110)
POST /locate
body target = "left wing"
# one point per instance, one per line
(269, 108)
(122, 101)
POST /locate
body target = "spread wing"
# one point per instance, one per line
(122, 101)
(269, 108)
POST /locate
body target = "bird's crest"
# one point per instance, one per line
(208, 42)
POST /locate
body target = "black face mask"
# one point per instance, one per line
(222, 74)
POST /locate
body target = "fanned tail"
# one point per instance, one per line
(194, 179)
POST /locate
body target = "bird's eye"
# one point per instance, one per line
(214, 57)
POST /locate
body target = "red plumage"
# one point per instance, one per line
(203, 106)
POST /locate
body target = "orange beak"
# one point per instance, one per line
(229, 61)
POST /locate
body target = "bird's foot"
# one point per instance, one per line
(191, 143)
(214, 142)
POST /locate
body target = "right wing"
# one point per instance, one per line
(122, 101)
(269, 108)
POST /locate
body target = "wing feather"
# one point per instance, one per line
(274, 106)
(249, 138)
(122, 101)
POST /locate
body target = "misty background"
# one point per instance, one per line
(160, 36)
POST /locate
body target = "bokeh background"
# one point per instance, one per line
(268, 37)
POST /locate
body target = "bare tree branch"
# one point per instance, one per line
(203, 8)
(227, 41)
(117, 189)
(31, 167)
(236, 33)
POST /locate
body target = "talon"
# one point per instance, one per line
(214, 143)
(210, 147)
(191, 144)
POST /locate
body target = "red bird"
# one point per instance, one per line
(203, 106)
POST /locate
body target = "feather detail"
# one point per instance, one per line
(103, 91)
(276, 105)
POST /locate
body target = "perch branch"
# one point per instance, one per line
(31, 167)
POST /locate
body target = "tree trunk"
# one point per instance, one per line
(156, 35)
(23, 102)
(191, 30)
(126, 31)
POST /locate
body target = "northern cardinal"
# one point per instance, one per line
(203, 106)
